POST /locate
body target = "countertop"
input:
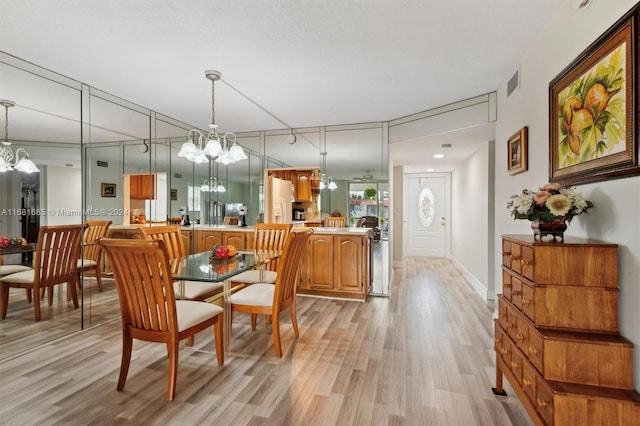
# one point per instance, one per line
(318, 230)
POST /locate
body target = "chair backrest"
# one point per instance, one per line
(360, 222)
(93, 230)
(145, 287)
(335, 222)
(171, 235)
(57, 253)
(230, 220)
(370, 221)
(288, 268)
(271, 236)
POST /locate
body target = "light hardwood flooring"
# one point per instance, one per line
(422, 356)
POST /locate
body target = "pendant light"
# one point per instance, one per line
(23, 164)
(199, 147)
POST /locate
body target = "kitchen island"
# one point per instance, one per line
(337, 263)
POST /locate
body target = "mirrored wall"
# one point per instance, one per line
(88, 144)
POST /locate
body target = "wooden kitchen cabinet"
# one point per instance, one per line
(349, 268)
(187, 236)
(205, 239)
(142, 187)
(236, 239)
(336, 265)
(302, 190)
(316, 270)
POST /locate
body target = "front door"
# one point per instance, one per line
(425, 215)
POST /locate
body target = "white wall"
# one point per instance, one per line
(470, 199)
(62, 195)
(614, 218)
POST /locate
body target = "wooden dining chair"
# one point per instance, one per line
(271, 300)
(148, 305)
(90, 263)
(266, 236)
(174, 243)
(335, 222)
(54, 262)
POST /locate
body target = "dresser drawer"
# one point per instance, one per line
(529, 381)
(583, 309)
(544, 400)
(590, 359)
(502, 344)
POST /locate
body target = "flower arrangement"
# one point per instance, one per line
(551, 203)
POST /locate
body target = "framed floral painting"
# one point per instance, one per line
(591, 111)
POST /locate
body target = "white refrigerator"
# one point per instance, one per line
(278, 206)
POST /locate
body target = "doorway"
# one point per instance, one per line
(426, 215)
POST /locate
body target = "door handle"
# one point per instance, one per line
(444, 222)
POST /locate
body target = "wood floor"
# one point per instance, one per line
(420, 357)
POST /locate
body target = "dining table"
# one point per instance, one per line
(201, 267)
(16, 249)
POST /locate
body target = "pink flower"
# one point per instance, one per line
(551, 187)
(540, 197)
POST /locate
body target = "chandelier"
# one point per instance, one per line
(326, 181)
(8, 159)
(199, 147)
(212, 185)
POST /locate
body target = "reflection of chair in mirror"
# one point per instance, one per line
(174, 244)
(91, 262)
(370, 222)
(268, 299)
(149, 308)
(230, 220)
(267, 236)
(335, 222)
(54, 262)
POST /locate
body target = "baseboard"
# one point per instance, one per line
(398, 264)
(472, 280)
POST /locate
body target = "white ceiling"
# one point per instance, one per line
(307, 62)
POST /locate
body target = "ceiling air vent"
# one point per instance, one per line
(513, 84)
(102, 163)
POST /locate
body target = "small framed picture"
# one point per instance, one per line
(108, 190)
(174, 194)
(517, 152)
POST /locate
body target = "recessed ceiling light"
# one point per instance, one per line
(430, 170)
(438, 156)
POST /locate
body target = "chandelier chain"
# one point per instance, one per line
(213, 107)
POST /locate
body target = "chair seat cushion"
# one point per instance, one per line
(23, 277)
(260, 294)
(85, 263)
(254, 276)
(196, 290)
(12, 269)
(191, 313)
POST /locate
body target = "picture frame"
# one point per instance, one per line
(108, 190)
(592, 104)
(518, 152)
(173, 194)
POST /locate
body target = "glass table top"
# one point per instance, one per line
(200, 267)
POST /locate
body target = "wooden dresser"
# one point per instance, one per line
(556, 336)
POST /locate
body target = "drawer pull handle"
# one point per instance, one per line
(526, 382)
(501, 315)
(498, 340)
(519, 336)
(504, 351)
(514, 365)
(533, 350)
(506, 253)
(507, 285)
(516, 292)
(514, 257)
(542, 403)
(509, 324)
(525, 262)
(526, 301)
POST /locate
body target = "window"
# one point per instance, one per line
(426, 207)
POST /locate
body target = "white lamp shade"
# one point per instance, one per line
(237, 153)
(199, 158)
(224, 158)
(213, 148)
(25, 165)
(188, 150)
(4, 166)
